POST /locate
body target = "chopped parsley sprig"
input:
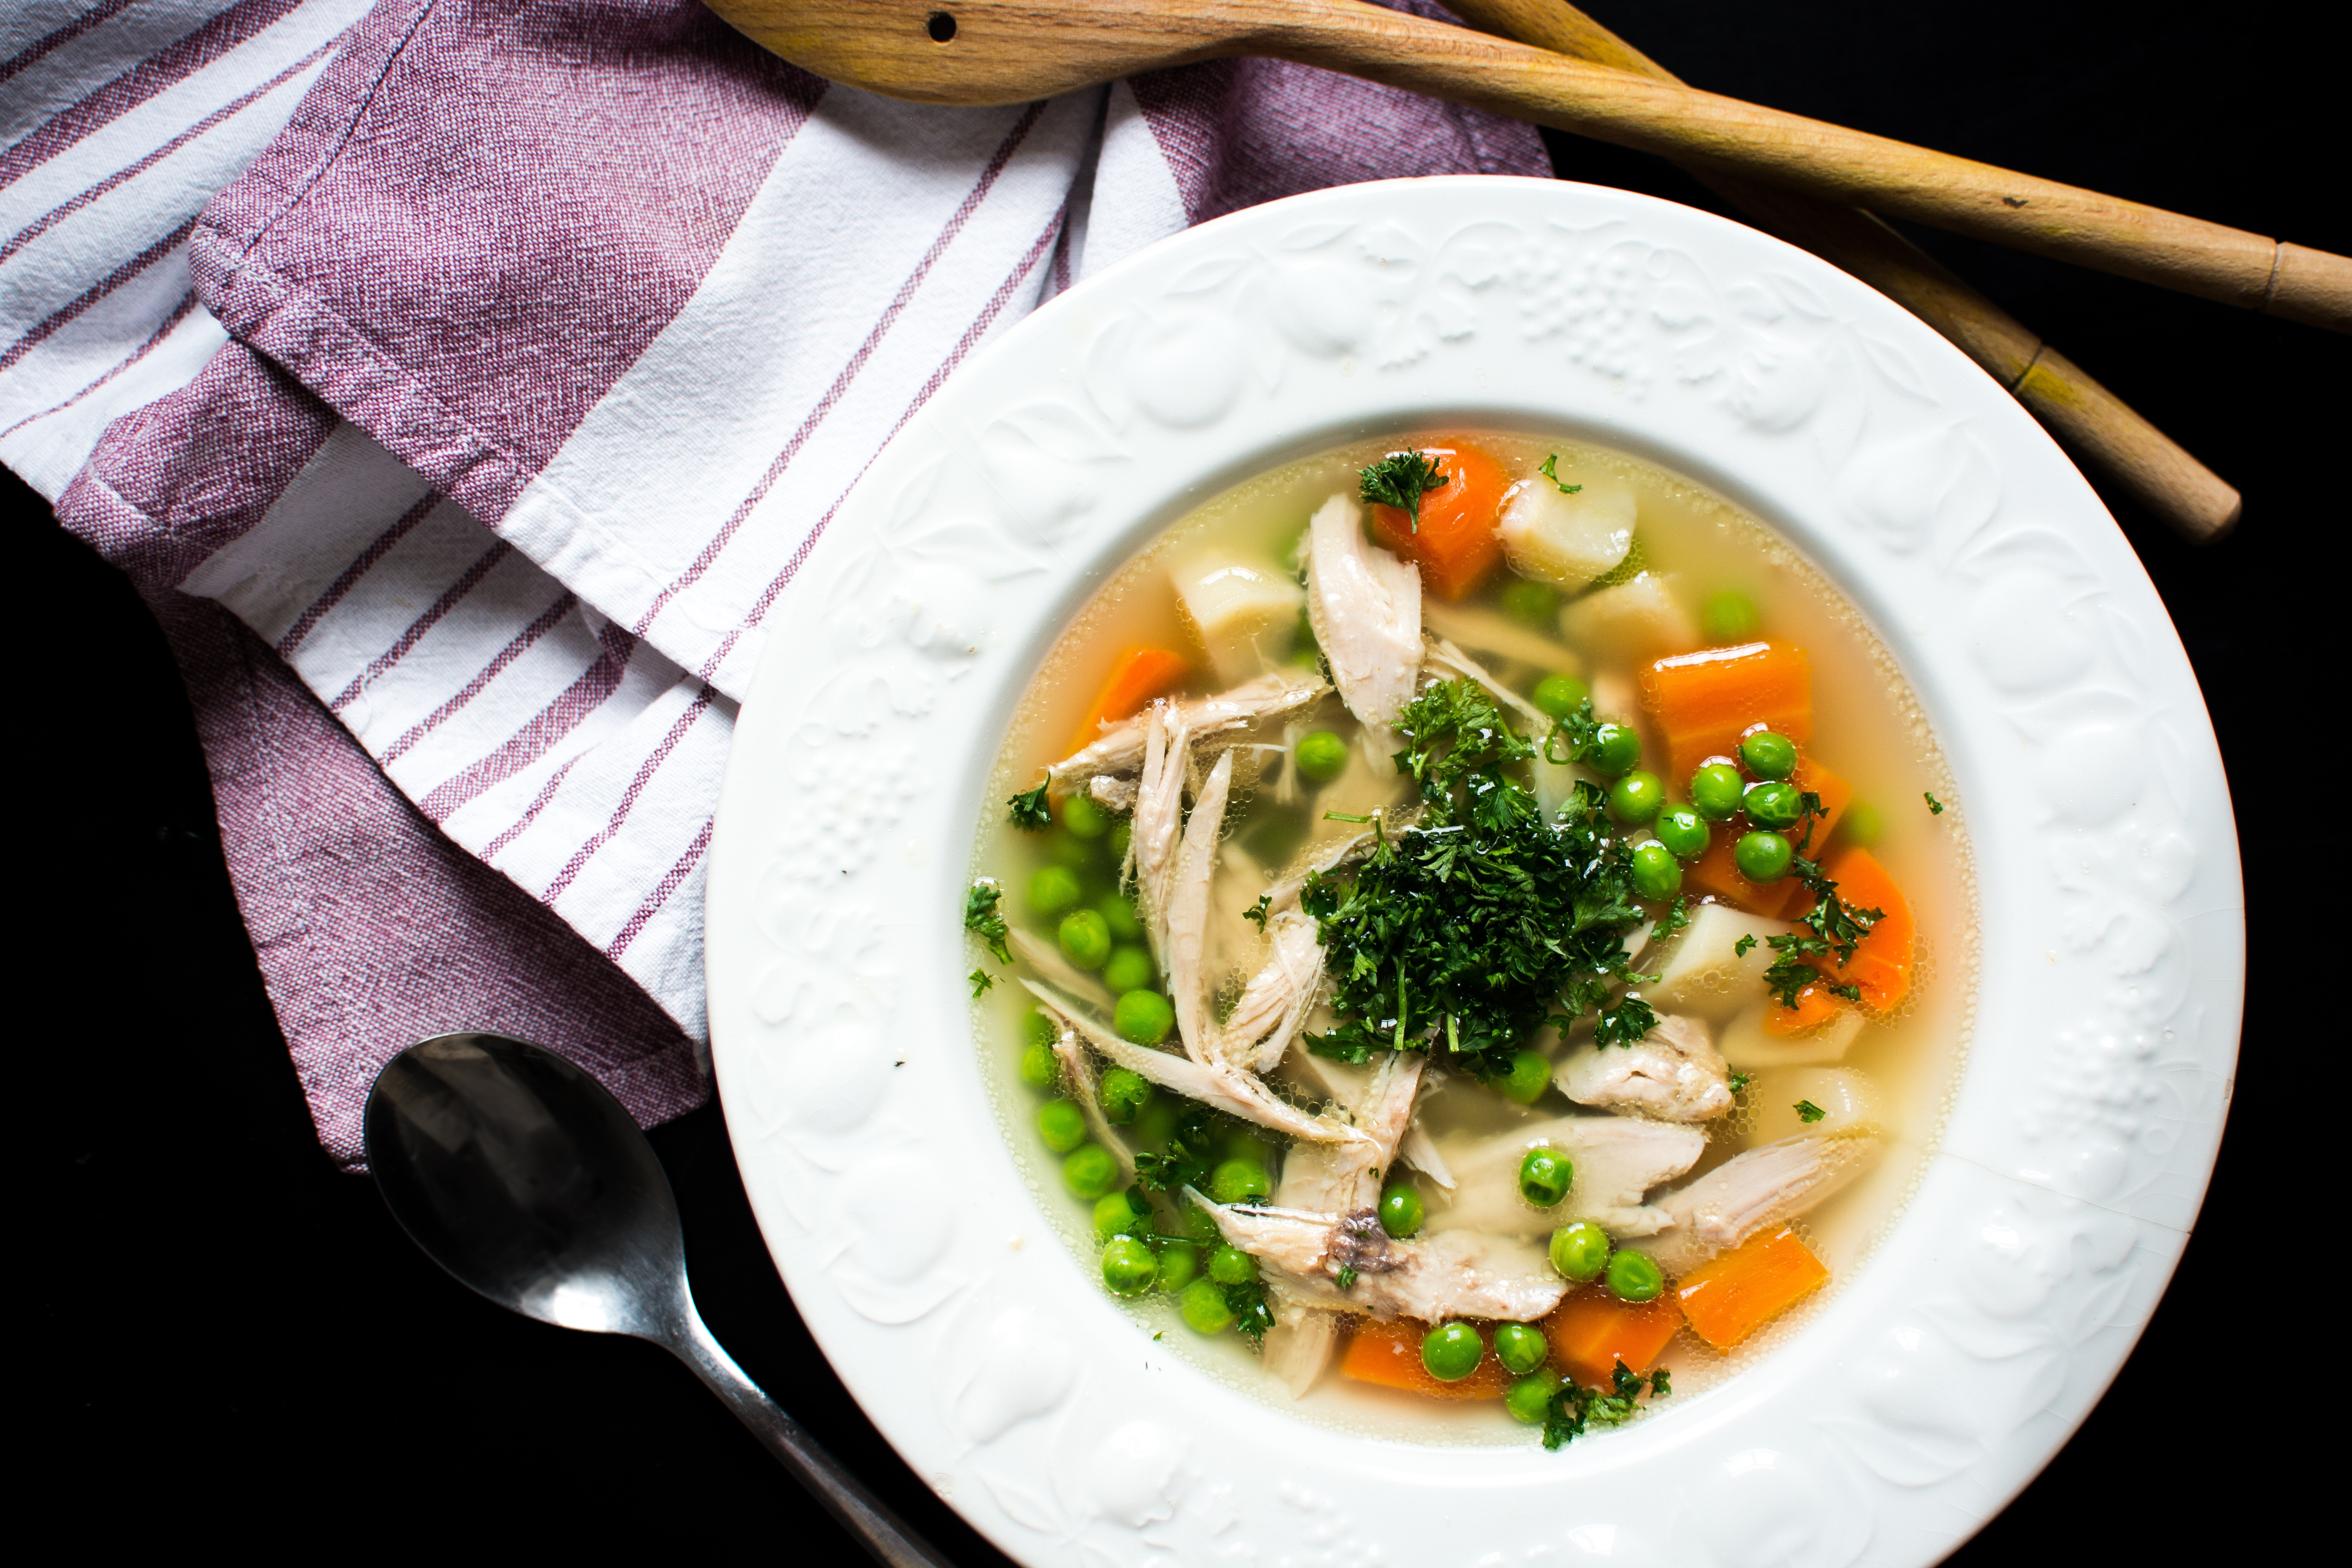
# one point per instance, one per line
(1400, 480)
(1551, 470)
(985, 920)
(1030, 812)
(1576, 1408)
(1482, 923)
(1831, 926)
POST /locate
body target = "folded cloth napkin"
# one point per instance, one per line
(465, 382)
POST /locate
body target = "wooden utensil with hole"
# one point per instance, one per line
(1012, 51)
(2097, 428)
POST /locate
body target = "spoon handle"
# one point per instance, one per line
(886, 1536)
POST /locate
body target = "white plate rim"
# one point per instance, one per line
(1916, 1404)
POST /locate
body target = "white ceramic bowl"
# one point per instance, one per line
(1955, 1362)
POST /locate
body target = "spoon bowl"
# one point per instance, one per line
(520, 1175)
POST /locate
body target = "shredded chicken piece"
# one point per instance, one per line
(1217, 1085)
(1364, 605)
(1446, 655)
(1762, 1187)
(1341, 1178)
(1674, 1073)
(1618, 1159)
(1120, 750)
(1159, 813)
(1183, 918)
(1453, 1274)
(1417, 1150)
(1300, 1345)
(1116, 795)
(1088, 1091)
(1274, 1005)
(1046, 959)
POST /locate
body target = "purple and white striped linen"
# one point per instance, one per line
(491, 368)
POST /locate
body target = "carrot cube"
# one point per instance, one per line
(1726, 1298)
(1881, 965)
(1704, 702)
(1389, 1353)
(1455, 545)
(1591, 1331)
(1137, 677)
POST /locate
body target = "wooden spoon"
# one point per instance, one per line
(2099, 428)
(1012, 51)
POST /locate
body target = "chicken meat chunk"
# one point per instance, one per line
(1617, 1160)
(1364, 605)
(1672, 1073)
(1454, 1274)
(1762, 1187)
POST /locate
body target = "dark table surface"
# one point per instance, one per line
(225, 1338)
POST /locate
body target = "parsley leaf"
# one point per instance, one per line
(1191, 1154)
(1739, 1083)
(1808, 1113)
(1673, 920)
(1462, 933)
(1739, 949)
(1029, 810)
(1400, 480)
(1550, 471)
(1252, 1316)
(984, 921)
(981, 981)
(1575, 1408)
(1625, 1023)
(1345, 1278)
(1255, 913)
(1934, 805)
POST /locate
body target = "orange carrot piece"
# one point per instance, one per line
(1389, 1354)
(1881, 964)
(1704, 702)
(1815, 1006)
(1137, 677)
(1715, 872)
(1454, 546)
(1726, 1298)
(1591, 1331)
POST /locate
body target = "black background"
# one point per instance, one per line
(225, 1338)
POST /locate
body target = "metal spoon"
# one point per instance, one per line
(520, 1175)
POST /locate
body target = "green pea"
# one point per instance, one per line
(1082, 816)
(1123, 1094)
(1401, 1210)
(1529, 1399)
(1520, 1347)
(1085, 938)
(1122, 833)
(1231, 1265)
(1322, 756)
(1089, 1171)
(1180, 1264)
(1452, 1351)
(1199, 1225)
(1156, 1121)
(1579, 1251)
(1128, 968)
(1682, 830)
(1773, 803)
(1861, 826)
(1636, 798)
(1239, 1182)
(1040, 1068)
(1064, 848)
(1728, 617)
(1656, 873)
(1128, 1267)
(1062, 1125)
(1545, 1175)
(1763, 856)
(1534, 602)
(1768, 755)
(1119, 917)
(1039, 1028)
(1634, 1277)
(1143, 1016)
(1116, 1214)
(1052, 889)
(1615, 749)
(1529, 1076)
(1202, 1306)
(1715, 792)
(1560, 695)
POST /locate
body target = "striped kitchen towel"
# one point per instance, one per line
(465, 382)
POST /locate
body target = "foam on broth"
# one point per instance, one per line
(1868, 726)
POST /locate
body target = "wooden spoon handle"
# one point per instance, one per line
(2100, 429)
(1830, 162)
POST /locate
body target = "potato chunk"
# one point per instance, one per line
(1244, 613)
(1746, 1045)
(1706, 975)
(1636, 620)
(1566, 539)
(1845, 1098)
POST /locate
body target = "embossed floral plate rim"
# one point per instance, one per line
(2083, 1131)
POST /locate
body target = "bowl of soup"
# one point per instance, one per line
(1467, 868)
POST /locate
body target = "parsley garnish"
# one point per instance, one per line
(1252, 1316)
(1739, 1083)
(1400, 480)
(1549, 472)
(1345, 1278)
(1625, 1023)
(1808, 1113)
(1029, 812)
(1672, 920)
(1255, 913)
(984, 921)
(1462, 933)
(1193, 1148)
(1739, 949)
(1934, 805)
(1576, 1408)
(1835, 927)
(981, 980)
